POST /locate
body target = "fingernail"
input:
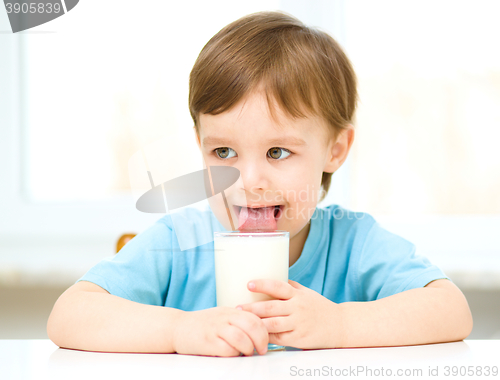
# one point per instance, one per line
(239, 307)
(251, 285)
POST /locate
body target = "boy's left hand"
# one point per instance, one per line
(298, 317)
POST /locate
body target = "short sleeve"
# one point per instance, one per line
(141, 271)
(387, 264)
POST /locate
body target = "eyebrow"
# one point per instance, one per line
(295, 141)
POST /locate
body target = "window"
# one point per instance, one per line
(425, 161)
(428, 119)
(81, 94)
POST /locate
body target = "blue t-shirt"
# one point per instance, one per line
(347, 257)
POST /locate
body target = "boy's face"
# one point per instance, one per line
(279, 165)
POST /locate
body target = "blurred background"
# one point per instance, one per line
(81, 94)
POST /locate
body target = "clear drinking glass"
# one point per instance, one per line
(244, 256)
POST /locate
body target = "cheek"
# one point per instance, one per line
(217, 205)
(302, 188)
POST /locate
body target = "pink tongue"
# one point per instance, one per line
(257, 218)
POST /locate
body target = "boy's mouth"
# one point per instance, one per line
(278, 209)
(257, 217)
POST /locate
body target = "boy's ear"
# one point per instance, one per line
(338, 150)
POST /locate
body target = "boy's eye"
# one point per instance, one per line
(223, 152)
(276, 153)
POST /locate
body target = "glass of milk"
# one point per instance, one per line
(244, 256)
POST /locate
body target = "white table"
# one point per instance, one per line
(41, 359)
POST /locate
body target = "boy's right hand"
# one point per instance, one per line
(220, 331)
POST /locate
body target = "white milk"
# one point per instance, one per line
(239, 259)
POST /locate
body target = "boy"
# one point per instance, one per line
(276, 100)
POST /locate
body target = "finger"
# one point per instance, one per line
(237, 339)
(254, 328)
(274, 288)
(266, 309)
(224, 349)
(282, 338)
(278, 324)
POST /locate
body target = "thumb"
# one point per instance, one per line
(295, 284)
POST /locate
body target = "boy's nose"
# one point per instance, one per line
(254, 177)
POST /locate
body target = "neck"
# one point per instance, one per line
(297, 244)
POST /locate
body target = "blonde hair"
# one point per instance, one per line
(304, 70)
